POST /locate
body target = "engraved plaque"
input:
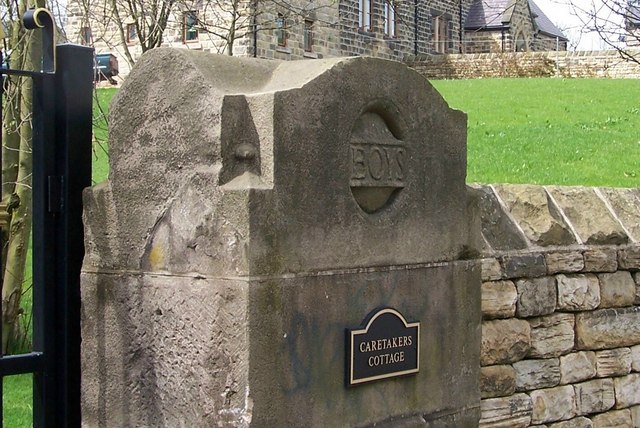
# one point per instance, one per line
(385, 346)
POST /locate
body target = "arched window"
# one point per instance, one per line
(521, 43)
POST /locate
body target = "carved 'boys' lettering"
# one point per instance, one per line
(377, 165)
(359, 166)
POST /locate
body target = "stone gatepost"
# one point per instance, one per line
(280, 244)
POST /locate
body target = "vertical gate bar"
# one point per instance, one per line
(73, 104)
(44, 252)
(1, 234)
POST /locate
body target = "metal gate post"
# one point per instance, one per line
(73, 102)
(61, 170)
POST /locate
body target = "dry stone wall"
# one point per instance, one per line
(528, 64)
(561, 306)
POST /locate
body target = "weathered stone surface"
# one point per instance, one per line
(554, 404)
(613, 362)
(616, 289)
(499, 299)
(565, 261)
(242, 196)
(552, 335)
(608, 328)
(537, 374)
(578, 292)
(635, 416)
(577, 366)
(497, 381)
(626, 206)
(636, 278)
(498, 228)
(536, 296)
(536, 215)
(579, 422)
(612, 419)
(589, 215)
(601, 259)
(629, 258)
(635, 358)
(504, 341)
(506, 412)
(594, 396)
(524, 266)
(627, 390)
(491, 269)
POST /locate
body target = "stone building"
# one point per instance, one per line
(304, 29)
(510, 25)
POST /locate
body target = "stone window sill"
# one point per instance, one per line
(310, 55)
(283, 49)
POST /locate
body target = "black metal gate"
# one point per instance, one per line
(61, 121)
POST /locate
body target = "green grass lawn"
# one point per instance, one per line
(550, 131)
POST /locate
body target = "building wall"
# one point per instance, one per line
(561, 307)
(528, 64)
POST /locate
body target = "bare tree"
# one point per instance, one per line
(141, 25)
(617, 23)
(26, 49)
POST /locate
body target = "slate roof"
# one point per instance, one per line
(486, 14)
(544, 24)
(496, 14)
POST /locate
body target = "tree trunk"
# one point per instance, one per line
(21, 215)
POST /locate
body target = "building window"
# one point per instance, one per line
(440, 28)
(281, 30)
(364, 14)
(308, 36)
(132, 33)
(189, 26)
(85, 36)
(390, 18)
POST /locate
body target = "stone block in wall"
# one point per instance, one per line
(506, 412)
(537, 216)
(594, 396)
(635, 416)
(613, 419)
(497, 381)
(617, 289)
(608, 328)
(504, 341)
(635, 358)
(552, 335)
(578, 292)
(613, 362)
(537, 374)
(627, 390)
(579, 422)
(491, 269)
(553, 404)
(577, 366)
(523, 266)
(626, 206)
(499, 230)
(629, 258)
(589, 215)
(564, 262)
(536, 296)
(600, 260)
(499, 299)
(636, 279)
